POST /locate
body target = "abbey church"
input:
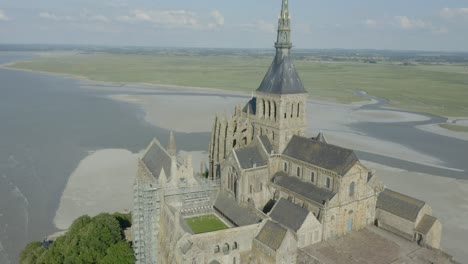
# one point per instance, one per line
(280, 196)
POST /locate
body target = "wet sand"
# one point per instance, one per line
(188, 113)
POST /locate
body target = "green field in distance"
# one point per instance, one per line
(438, 88)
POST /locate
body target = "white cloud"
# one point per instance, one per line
(407, 23)
(165, 18)
(259, 26)
(371, 22)
(84, 16)
(54, 17)
(3, 16)
(218, 17)
(449, 13)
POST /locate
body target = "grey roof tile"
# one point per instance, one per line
(156, 159)
(282, 78)
(266, 143)
(272, 235)
(230, 209)
(305, 189)
(250, 157)
(399, 204)
(289, 214)
(330, 157)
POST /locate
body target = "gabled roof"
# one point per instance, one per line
(305, 189)
(238, 215)
(156, 158)
(289, 214)
(330, 157)
(282, 77)
(399, 204)
(272, 235)
(266, 143)
(426, 224)
(250, 157)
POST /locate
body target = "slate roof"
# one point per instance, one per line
(289, 214)
(156, 159)
(426, 224)
(399, 204)
(253, 106)
(238, 215)
(330, 157)
(272, 235)
(305, 189)
(266, 143)
(282, 77)
(250, 157)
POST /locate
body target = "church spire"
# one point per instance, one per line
(283, 42)
(171, 147)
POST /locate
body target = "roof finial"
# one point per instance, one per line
(284, 29)
(171, 147)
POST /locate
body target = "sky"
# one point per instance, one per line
(437, 25)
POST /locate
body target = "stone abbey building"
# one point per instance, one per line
(283, 197)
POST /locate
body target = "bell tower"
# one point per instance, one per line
(281, 97)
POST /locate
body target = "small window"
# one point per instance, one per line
(234, 246)
(351, 189)
(328, 183)
(298, 173)
(216, 250)
(226, 248)
(250, 189)
(285, 167)
(261, 186)
(312, 176)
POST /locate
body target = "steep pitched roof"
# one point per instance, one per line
(330, 157)
(305, 189)
(239, 215)
(399, 204)
(250, 157)
(282, 77)
(266, 143)
(289, 214)
(272, 235)
(156, 159)
(251, 106)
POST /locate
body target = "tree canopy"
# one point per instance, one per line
(99, 239)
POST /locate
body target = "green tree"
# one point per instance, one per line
(31, 253)
(120, 253)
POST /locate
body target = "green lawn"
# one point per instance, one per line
(436, 89)
(204, 224)
(455, 128)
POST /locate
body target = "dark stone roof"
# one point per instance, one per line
(330, 157)
(305, 189)
(266, 143)
(156, 159)
(289, 214)
(272, 235)
(252, 105)
(282, 77)
(230, 209)
(250, 157)
(426, 224)
(399, 204)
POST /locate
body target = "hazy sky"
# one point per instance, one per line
(377, 24)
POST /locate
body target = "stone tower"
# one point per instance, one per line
(281, 97)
